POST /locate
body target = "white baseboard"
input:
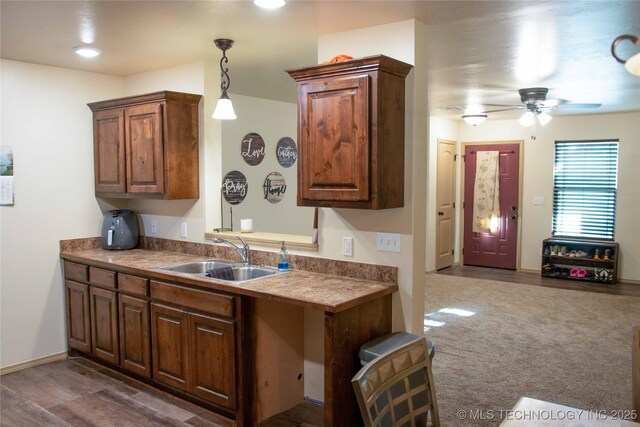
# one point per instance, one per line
(32, 363)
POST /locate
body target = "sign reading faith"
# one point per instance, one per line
(234, 187)
(287, 152)
(252, 149)
(274, 187)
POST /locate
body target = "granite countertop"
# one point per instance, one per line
(325, 292)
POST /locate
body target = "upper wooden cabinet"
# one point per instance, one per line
(146, 146)
(351, 133)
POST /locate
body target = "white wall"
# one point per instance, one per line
(46, 120)
(538, 177)
(272, 120)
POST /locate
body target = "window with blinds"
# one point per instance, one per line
(585, 180)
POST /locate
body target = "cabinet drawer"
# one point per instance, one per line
(77, 272)
(206, 301)
(104, 278)
(133, 284)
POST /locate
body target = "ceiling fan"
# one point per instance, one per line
(535, 102)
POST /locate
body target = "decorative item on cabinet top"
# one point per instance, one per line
(146, 146)
(351, 133)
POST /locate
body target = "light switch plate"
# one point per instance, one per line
(388, 242)
(538, 200)
(154, 226)
(183, 229)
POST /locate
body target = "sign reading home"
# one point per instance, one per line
(274, 187)
(287, 152)
(252, 148)
(234, 187)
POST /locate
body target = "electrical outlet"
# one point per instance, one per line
(154, 226)
(347, 246)
(388, 242)
(183, 229)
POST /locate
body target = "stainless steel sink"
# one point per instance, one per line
(198, 267)
(241, 272)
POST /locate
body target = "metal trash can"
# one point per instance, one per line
(387, 343)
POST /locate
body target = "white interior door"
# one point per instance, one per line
(445, 204)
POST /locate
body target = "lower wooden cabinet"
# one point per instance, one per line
(194, 353)
(170, 346)
(213, 359)
(104, 325)
(134, 335)
(176, 336)
(78, 321)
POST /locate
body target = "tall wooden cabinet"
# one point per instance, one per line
(146, 146)
(351, 133)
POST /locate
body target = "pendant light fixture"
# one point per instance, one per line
(224, 107)
(632, 64)
(269, 4)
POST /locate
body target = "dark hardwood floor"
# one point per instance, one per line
(526, 278)
(78, 392)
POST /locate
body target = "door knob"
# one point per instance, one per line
(514, 217)
(440, 213)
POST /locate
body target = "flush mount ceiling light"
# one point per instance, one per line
(269, 4)
(87, 51)
(474, 119)
(224, 107)
(632, 64)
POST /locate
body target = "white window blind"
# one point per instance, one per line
(584, 189)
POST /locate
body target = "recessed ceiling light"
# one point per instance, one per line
(269, 4)
(87, 51)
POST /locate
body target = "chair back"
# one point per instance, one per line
(397, 389)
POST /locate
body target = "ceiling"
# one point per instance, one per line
(479, 52)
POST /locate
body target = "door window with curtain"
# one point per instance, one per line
(585, 178)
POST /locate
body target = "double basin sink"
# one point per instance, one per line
(224, 271)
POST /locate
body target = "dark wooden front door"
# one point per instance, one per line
(496, 248)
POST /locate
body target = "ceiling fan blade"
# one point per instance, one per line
(580, 105)
(514, 108)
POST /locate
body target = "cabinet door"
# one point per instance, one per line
(104, 324)
(78, 320)
(213, 359)
(134, 335)
(334, 147)
(170, 346)
(108, 147)
(144, 142)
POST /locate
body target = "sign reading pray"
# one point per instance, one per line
(234, 187)
(252, 148)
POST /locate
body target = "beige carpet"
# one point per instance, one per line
(563, 346)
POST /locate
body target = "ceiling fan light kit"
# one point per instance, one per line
(632, 64)
(474, 119)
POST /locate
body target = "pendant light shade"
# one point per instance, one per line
(633, 64)
(224, 107)
(269, 4)
(474, 119)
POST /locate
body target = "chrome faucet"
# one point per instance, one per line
(243, 252)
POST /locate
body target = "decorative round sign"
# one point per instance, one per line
(287, 152)
(234, 187)
(274, 187)
(252, 148)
